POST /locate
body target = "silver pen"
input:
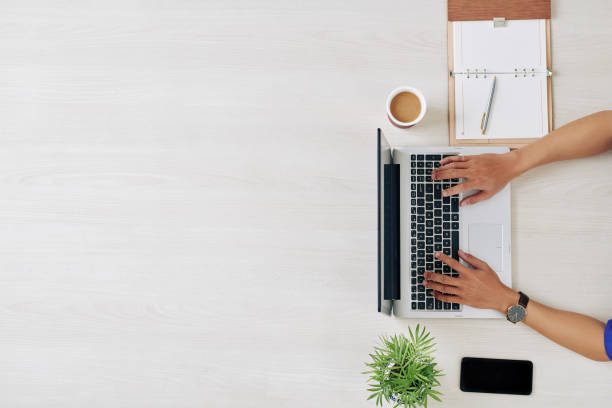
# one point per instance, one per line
(485, 116)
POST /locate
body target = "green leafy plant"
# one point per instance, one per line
(403, 371)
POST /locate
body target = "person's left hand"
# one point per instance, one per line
(478, 286)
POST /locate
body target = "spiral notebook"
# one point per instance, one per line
(517, 54)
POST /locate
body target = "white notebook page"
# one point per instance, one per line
(520, 103)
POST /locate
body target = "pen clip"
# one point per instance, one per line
(482, 122)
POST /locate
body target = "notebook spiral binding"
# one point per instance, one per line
(518, 73)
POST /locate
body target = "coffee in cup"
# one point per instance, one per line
(406, 107)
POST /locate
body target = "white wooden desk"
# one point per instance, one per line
(188, 202)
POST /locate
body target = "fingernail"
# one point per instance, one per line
(460, 251)
(437, 254)
(425, 283)
(461, 204)
(445, 193)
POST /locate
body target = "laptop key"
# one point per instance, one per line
(438, 304)
(421, 305)
(421, 296)
(430, 303)
(455, 204)
(455, 242)
(455, 306)
(446, 305)
(414, 305)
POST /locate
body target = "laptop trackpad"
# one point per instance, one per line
(485, 241)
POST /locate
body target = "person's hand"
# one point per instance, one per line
(478, 286)
(488, 173)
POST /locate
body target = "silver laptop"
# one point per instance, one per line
(414, 221)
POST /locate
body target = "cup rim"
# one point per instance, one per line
(415, 91)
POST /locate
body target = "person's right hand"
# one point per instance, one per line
(488, 173)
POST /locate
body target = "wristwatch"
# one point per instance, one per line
(517, 313)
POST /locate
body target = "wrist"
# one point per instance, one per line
(520, 162)
(508, 298)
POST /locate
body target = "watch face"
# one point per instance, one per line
(516, 313)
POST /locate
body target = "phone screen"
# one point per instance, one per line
(496, 375)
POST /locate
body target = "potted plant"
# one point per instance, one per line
(402, 370)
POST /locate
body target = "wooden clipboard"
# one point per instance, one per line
(472, 10)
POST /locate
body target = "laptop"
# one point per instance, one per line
(414, 221)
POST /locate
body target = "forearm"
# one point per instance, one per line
(584, 137)
(577, 332)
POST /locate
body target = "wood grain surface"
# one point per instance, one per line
(469, 10)
(188, 203)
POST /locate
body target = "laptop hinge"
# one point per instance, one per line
(391, 256)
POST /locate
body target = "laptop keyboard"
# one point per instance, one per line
(434, 226)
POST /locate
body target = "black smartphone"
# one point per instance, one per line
(496, 376)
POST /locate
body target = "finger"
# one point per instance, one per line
(454, 165)
(472, 260)
(443, 279)
(447, 298)
(452, 263)
(453, 290)
(475, 198)
(448, 174)
(457, 189)
(454, 159)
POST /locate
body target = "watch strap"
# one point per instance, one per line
(523, 299)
